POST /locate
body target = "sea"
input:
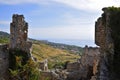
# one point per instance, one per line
(81, 43)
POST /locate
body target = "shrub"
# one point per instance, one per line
(23, 71)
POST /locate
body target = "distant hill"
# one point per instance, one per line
(69, 48)
(4, 37)
(3, 34)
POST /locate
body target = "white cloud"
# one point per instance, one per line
(4, 22)
(13, 2)
(72, 27)
(83, 32)
(78, 4)
(90, 4)
(72, 19)
(75, 28)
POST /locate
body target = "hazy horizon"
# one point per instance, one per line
(63, 21)
(80, 43)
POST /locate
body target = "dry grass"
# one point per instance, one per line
(42, 51)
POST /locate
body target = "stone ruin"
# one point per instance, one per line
(43, 65)
(95, 63)
(18, 40)
(107, 37)
(90, 55)
(19, 34)
(4, 62)
(86, 66)
(83, 69)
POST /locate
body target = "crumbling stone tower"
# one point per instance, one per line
(107, 36)
(18, 34)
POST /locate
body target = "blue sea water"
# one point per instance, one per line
(80, 43)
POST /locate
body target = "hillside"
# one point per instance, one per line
(4, 37)
(3, 34)
(55, 56)
(42, 51)
(70, 48)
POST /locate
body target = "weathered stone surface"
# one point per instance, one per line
(43, 65)
(104, 38)
(18, 41)
(86, 67)
(73, 66)
(90, 55)
(93, 78)
(49, 76)
(4, 62)
(18, 34)
(99, 32)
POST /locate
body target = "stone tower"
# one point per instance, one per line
(104, 37)
(18, 34)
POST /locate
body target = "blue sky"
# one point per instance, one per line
(56, 20)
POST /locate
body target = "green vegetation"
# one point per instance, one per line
(70, 48)
(114, 9)
(55, 56)
(4, 37)
(17, 53)
(21, 67)
(4, 34)
(4, 40)
(54, 52)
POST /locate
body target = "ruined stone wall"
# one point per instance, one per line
(89, 61)
(91, 51)
(18, 41)
(90, 54)
(43, 65)
(104, 39)
(99, 32)
(18, 34)
(4, 62)
(47, 75)
(73, 66)
(100, 40)
(86, 67)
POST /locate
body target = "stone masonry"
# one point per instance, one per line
(43, 65)
(18, 40)
(104, 40)
(86, 67)
(4, 62)
(18, 34)
(90, 54)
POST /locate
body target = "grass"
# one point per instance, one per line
(4, 40)
(55, 56)
(43, 51)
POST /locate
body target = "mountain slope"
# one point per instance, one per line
(70, 48)
(42, 51)
(55, 56)
(3, 34)
(4, 37)
(45, 51)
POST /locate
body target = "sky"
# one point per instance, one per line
(64, 21)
